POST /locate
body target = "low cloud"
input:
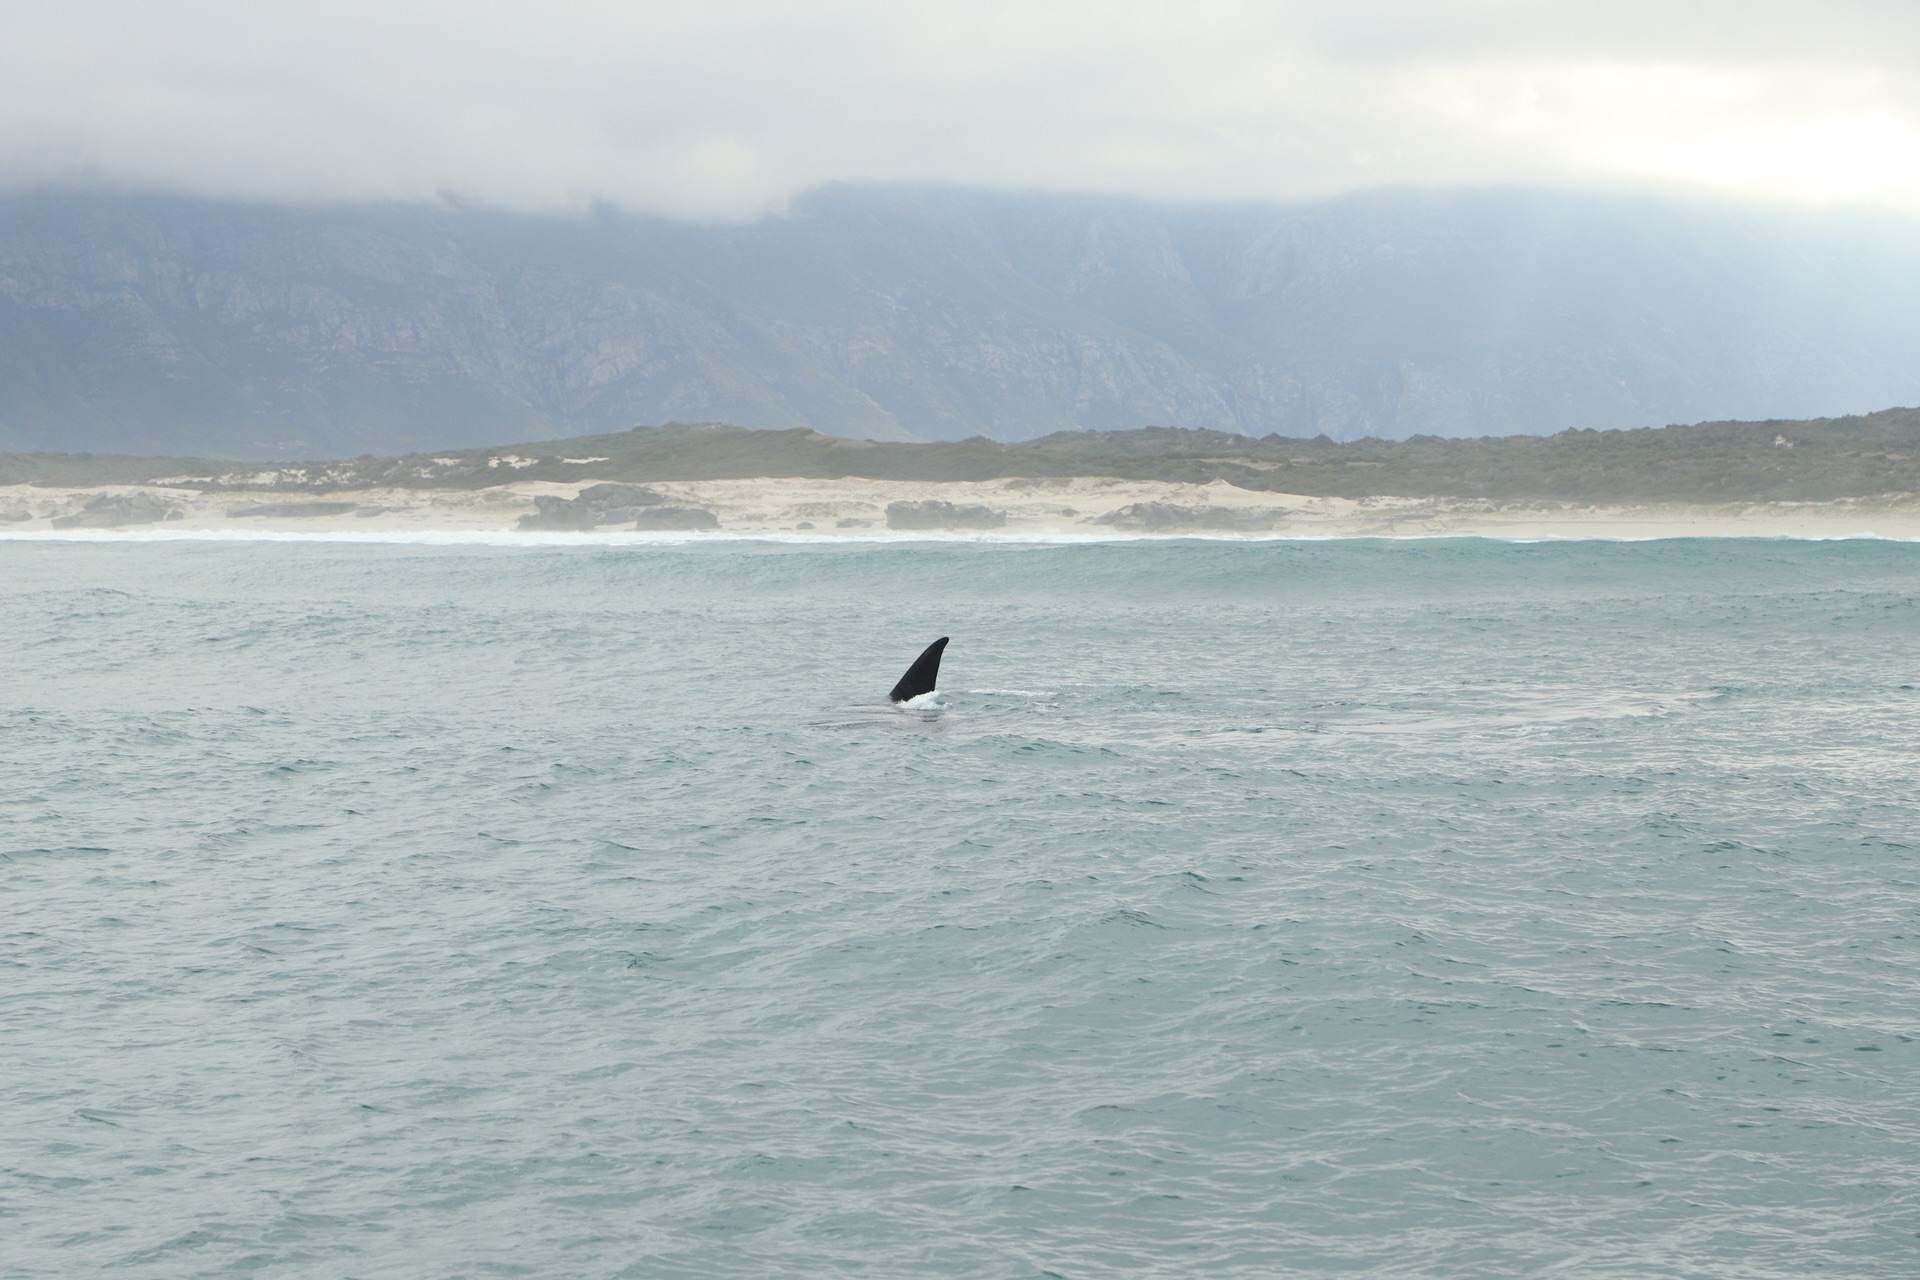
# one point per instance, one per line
(727, 108)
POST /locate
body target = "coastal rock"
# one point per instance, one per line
(935, 514)
(554, 513)
(1160, 517)
(678, 518)
(593, 506)
(616, 496)
(14, 515)
(112, 510)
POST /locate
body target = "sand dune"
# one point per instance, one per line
(858, 508)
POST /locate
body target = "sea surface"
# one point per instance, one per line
(1434, 908)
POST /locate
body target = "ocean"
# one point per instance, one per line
(1248, 909)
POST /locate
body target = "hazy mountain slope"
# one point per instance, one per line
(153, 324)
(161, 325)
(1465, 313)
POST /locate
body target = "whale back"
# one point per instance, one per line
(923, 675)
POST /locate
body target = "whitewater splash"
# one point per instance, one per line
(864, 537)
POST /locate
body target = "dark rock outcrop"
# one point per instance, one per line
(593, 506)
(1158, 517)
(934, 514)
(112, 510)
(684, 518)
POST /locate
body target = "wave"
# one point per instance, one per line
(632, 538)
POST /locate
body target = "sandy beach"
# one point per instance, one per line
(858, 509)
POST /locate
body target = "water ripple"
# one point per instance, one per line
(1404, 910)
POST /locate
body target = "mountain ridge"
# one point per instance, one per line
(145, 324)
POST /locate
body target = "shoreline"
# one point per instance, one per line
(856, 510)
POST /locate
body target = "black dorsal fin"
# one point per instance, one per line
(922, 675)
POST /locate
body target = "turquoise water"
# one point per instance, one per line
(1447, 908)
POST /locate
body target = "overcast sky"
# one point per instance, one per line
(727, 107)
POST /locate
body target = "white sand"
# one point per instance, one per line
(854, 509)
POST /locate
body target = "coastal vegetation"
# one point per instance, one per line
(1871, 455)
